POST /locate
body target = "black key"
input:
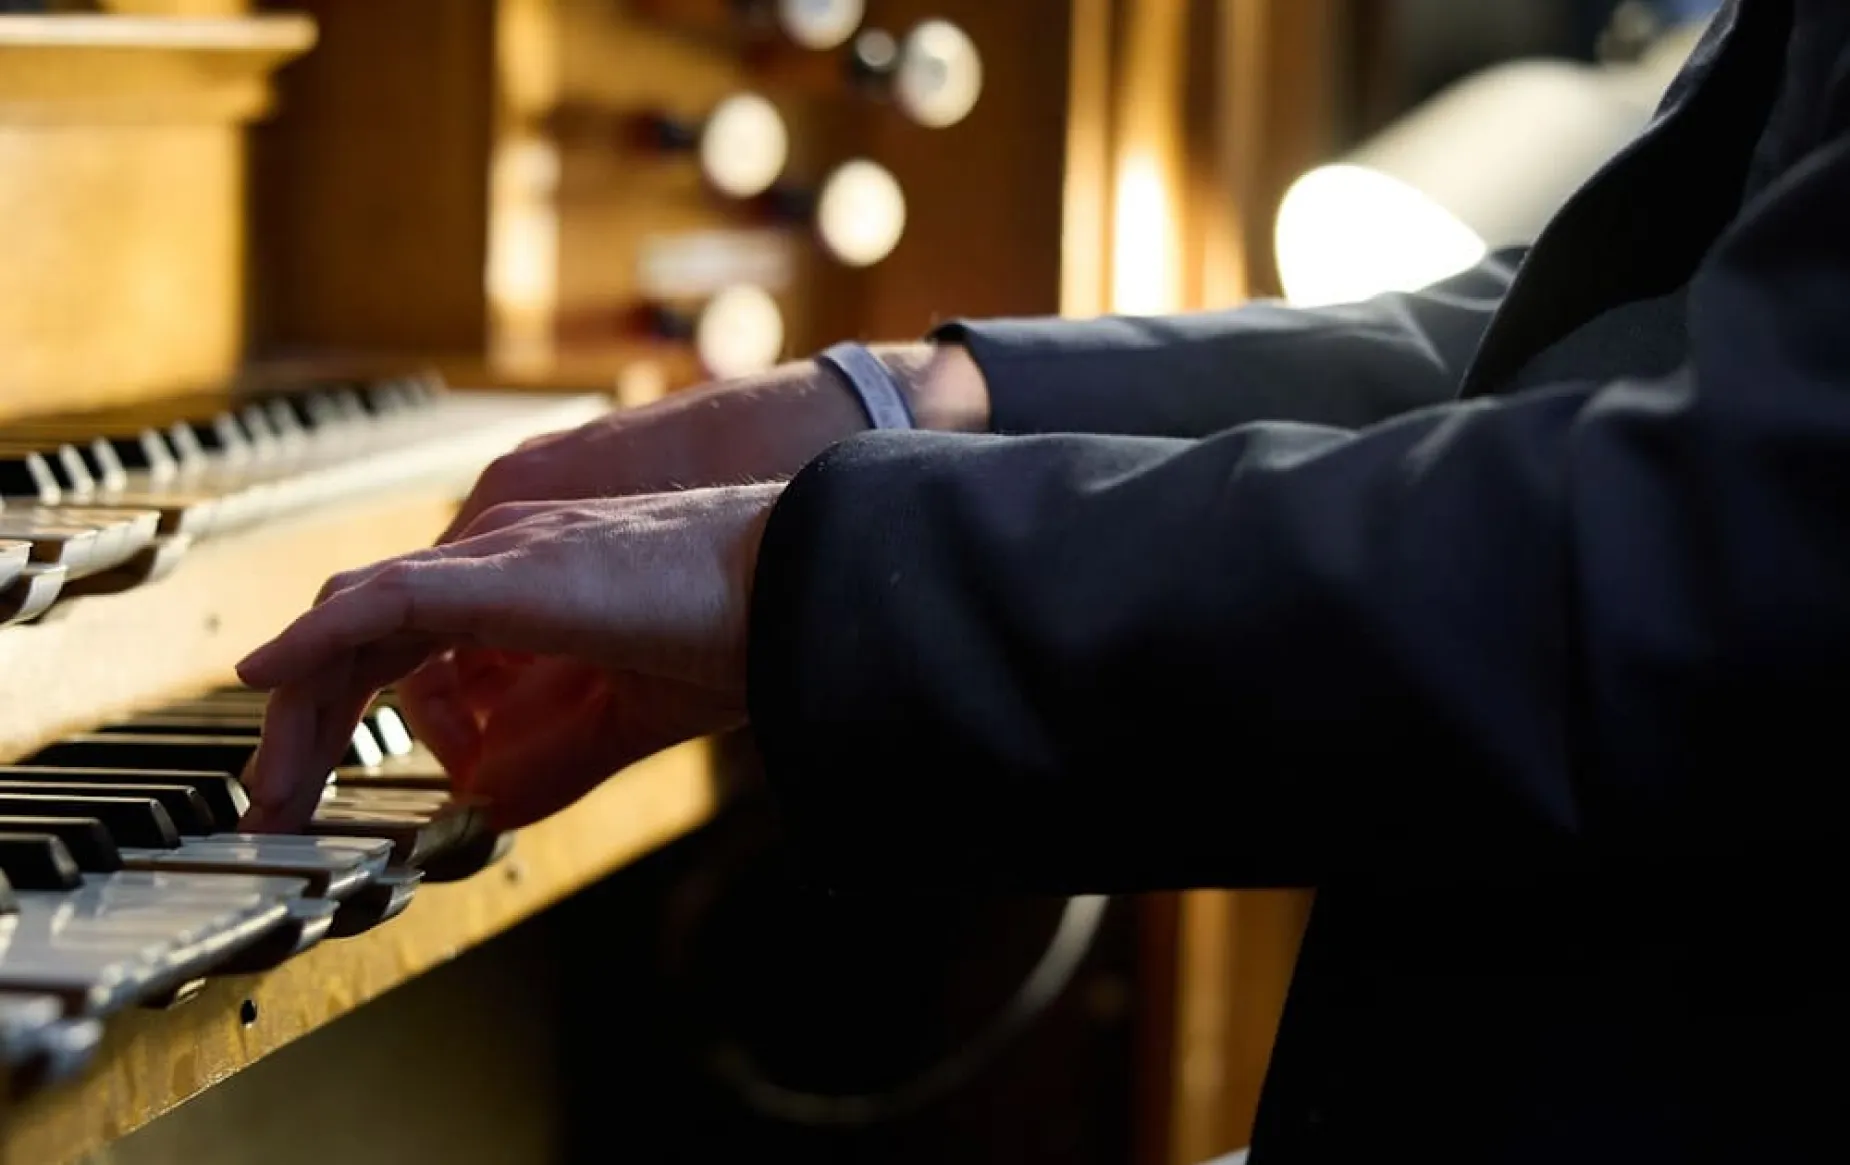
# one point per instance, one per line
(428, 387)
(146, 451)
(348, 403)
(221, 435)
(417, 837)
(38, 861)
(126, 750)
(40, 463)
(224, 796)
(293, 435)
(104, 465)
(390, 731)
(73, 473)
(187, 809)
(321, 411)
(387, 397)
(362, 749)
(29, 476)
(130, 820)
(85, 839)
(308, 411)
(190, 454)
(8, 904)
(265, 442)
(380, 900)
(160, 724)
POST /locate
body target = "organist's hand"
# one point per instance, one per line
(756, 428)
(570, 640)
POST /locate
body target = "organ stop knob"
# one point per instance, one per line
(739, 331)
(860, 213)
(743, 145)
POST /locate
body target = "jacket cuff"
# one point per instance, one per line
(1117, 375)
(802, 667)
(1041, 372)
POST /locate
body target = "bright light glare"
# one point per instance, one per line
(1345, 233)
(1142, 268)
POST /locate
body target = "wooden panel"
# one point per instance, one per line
(106, 232)
(175, 7)
(985, 197)
(121, 179)
(1149, 187)
(611, 206)
(75, 69)
(1278, 90)
(505, 229)
(369, 207)
(1085, 218)
(426, 1074)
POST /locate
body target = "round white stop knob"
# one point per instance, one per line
(743, 145)
(820, 24)
(861, 213)
(741, 331)
(940, 74)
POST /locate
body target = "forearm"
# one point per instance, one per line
(942, 383)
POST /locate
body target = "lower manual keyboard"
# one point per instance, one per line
(123, 938)
(124, 877)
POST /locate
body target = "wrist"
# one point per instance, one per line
(942, 384)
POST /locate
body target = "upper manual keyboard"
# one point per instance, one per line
(98, 502)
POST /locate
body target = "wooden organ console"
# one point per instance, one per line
(259, 257)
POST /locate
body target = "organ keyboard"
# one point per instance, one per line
(141, 551)
(107, 835)
(120, 496)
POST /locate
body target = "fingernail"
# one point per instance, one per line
(250, 668)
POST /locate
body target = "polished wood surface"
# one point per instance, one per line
(517, 231)
(985, 230)
(369, 190)
(121, 188)
(503, 229)
(410, 1084)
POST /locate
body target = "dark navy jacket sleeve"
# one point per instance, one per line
(1193, 375)
(1593, 622)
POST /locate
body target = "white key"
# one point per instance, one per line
(126, 937)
